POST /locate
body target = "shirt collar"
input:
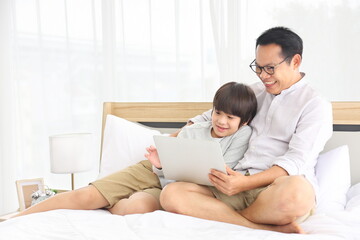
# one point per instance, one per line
(295, 86)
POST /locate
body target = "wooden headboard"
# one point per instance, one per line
(345, 113)
(175, 114)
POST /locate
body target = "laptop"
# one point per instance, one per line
(189, 160)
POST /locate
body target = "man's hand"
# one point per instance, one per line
(230, 184)
(175, 134)
(153, 156)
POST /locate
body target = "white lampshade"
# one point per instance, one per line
(71, 153)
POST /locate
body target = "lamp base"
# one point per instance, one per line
(72, 181)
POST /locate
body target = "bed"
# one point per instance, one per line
(132, 125)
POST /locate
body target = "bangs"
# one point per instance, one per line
(236, 99)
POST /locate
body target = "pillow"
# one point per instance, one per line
(353, 197)
(333, 175)
(124, 144)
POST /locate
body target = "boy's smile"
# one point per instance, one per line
(224, 124)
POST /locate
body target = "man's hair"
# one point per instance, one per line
(290, 42)
(236, 99)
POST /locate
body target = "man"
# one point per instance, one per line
(274, 186)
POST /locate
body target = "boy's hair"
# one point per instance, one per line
(290, 42)
(236, 99)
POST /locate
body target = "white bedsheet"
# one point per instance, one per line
(100, 224)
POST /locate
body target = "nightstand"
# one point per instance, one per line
(7, 216)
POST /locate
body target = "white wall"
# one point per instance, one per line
(57, 85)
(330, 30)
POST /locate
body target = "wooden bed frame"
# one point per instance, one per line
(346, 117)
(345, 113)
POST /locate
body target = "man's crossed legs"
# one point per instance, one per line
(276, 208)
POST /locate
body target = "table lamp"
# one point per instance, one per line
(71, 153)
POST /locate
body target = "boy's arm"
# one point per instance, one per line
(154, 159)
(238, 146)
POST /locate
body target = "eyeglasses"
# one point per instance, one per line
(268, 69)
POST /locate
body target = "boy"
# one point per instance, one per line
(136, 189)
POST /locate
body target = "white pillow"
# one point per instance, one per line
(124, 144)
(333, 175)
(353, 197)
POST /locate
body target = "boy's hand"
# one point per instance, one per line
(153, 156)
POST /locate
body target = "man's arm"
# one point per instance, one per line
(175, 134)
(205, 116)
(313, 130)
(236, 182)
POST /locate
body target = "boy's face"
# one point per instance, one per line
(224, 124)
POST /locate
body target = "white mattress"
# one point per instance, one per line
(100, 224)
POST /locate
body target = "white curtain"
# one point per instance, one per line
(9, 115)
(60, 60)
(227, 17)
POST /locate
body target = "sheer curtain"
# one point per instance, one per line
(9, 115)
(60, 60)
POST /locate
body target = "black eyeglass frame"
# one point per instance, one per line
(253, 64)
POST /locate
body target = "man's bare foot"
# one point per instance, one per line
(292, 227)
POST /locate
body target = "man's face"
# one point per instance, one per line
(284, 73)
